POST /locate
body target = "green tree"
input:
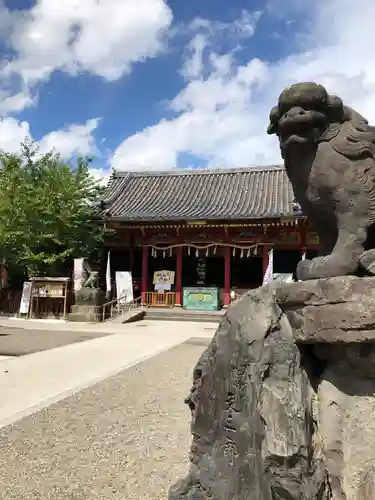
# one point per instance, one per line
(48, 214)
(13, 218)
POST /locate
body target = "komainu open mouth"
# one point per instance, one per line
(294, 139)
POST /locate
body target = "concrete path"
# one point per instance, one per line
(106, 327)
(125, 438)
(32, 382)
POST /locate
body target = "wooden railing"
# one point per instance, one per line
(160, 299)
(116, 308)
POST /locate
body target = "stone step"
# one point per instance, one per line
(193, 316)
(128, 317)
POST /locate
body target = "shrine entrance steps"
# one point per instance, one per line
(180, 314)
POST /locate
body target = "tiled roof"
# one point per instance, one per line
(237, 193)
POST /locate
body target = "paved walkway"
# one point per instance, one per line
(29, 383)
(126, 438)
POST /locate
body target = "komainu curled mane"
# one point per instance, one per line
(329, 155)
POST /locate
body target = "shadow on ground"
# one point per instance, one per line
(19, 342)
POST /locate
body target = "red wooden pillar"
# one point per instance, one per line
(265, 259)
(144, 273)
(179, 277)
(227, 279)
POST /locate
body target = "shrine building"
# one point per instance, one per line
(213, 228)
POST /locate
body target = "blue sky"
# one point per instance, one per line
(156, 84)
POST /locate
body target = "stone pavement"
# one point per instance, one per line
(29, 383)
(125, 438)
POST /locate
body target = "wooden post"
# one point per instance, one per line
(144, 273)
(227, 280)
(65, 288)
(179, 277)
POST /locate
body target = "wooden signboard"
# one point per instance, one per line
(289, 238)
(312, 239)
(47, 291)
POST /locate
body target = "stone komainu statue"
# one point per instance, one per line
(329, 155)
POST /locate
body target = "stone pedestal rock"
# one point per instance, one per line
(283, 399)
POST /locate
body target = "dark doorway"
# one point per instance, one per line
(285, 261)
(246, 273)
(213, 273)
(311, 254)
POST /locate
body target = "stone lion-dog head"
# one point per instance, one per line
(329, 155)
(307, 114)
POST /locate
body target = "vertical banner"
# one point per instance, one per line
(124, 287)
(303, 257)
(26, 297)
(78, 274)
(108, 277)
(267, 278)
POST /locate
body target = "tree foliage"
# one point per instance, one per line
(48, 211)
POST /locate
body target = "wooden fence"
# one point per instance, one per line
(9, 301)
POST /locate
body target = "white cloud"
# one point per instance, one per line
(13, 103)
(6, 20)
(193, 65)
(12, 133)
(206, 33)
(242, 27)
(103, 37)
(101, 175)
(74, 139)
(222, 116)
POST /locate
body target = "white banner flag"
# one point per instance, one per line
(78, 274)
(267, 278)
(303, 257)
(108, 277)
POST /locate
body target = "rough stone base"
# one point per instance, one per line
(283, 399)
(89, 296)
(88, 314)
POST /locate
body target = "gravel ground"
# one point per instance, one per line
(126, 438)
(19, 341)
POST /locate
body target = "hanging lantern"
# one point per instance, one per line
(215, 250)
(170, 252)
(241, 256)
(164, 254)
(188, 250)
(256, 250)
(197, 252)
(234, 252)
(248, 252)
(206, 252)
